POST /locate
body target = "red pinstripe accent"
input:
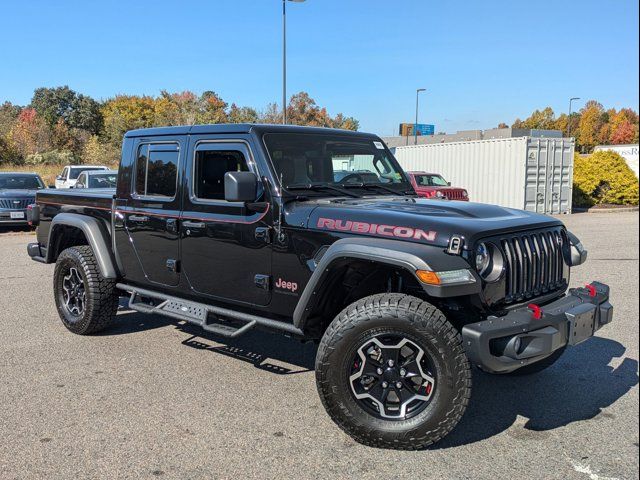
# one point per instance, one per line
(204, 219)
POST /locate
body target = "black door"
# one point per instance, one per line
(225, 246)
(151, 213)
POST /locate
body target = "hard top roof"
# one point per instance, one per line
(227, 128)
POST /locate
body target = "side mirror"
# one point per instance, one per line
(59, 177)
(240, 186)
(449, 183)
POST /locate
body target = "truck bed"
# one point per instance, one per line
(86, 201)
(85, 197)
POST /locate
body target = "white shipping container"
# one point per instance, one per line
(534, 174)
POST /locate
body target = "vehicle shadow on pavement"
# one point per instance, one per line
(577, 388)
(267, 351)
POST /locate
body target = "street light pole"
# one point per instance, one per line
(569, 117)
(415, 127)
(284, 58)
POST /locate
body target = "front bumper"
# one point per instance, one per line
(504, 344)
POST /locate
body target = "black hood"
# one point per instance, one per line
(17, 193)
(418, 220)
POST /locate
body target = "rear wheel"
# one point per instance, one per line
(392, 373)
(86, 301)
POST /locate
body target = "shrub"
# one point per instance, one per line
(54, 157)
(603, 177)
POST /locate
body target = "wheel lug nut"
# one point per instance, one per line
(398, 384)
(379, 371)
(385, 384)
(403, 372)
(390, 363)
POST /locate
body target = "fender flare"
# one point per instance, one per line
(409, 256)
(95, 234)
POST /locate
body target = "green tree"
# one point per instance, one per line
(62, 103)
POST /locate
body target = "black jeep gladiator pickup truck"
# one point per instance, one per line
(232, 227)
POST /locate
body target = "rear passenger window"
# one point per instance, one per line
(157, 170)
(210, 167)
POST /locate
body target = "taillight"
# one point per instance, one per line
(33, 215)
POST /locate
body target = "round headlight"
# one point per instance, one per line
(483, 258)
(465, 194)
(489, 262)
(439, 194)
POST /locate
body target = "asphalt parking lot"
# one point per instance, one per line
(153, 398)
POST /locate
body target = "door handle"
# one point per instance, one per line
(138, 218)
(188, 224)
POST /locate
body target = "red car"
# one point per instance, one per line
(432, 185)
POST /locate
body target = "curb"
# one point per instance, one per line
(606, 210)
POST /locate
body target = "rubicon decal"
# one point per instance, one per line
(376, 229)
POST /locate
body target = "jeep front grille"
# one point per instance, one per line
(534, 264)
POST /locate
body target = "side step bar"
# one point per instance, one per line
(197, 313)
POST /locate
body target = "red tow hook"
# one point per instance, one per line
(592, 290)
(536, 311)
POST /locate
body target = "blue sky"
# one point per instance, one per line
(482, 62)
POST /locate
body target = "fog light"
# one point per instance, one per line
(517, 343)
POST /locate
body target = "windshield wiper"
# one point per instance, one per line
(376, 185)
(321, 186)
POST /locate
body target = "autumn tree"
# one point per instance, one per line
(61, 123)
(539, 119)
(242, 114)
(96, 152)
(30, 134)
(213, 109)
(126, 112)
(623, 127)
(592, 118)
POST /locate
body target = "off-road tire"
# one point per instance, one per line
(428, 327)
(101, 303)
(537, 367)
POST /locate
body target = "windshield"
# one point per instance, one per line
(75, 171)
(324, 160)
(430, 181)
(20, 182)
(102, 180)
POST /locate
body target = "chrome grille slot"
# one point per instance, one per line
(534, 264)
(18, 204)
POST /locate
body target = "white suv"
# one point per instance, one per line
(69, 175)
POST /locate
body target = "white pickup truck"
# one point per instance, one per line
(69, 175)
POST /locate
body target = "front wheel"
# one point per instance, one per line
(392, 373)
